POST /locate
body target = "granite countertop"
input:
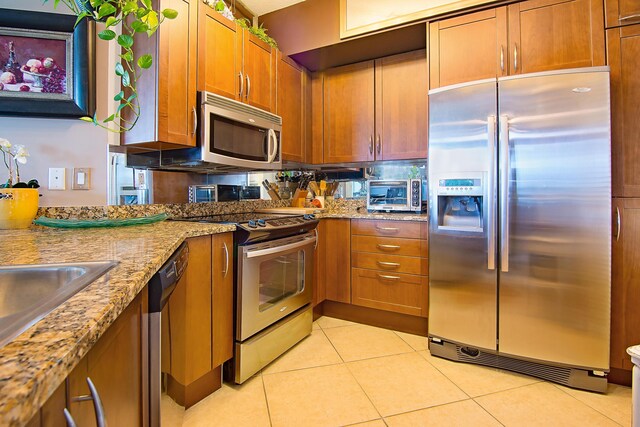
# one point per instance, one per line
(382, 215)
(35, 363)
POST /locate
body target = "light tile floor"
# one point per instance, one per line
(356, 375)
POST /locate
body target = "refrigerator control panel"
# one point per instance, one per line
(460, 187)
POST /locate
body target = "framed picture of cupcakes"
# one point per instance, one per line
(47, 64)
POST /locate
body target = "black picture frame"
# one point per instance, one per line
(82, 101)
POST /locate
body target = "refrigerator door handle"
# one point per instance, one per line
(504, 193)
(491, 196)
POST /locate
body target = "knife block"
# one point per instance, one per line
(298, 199)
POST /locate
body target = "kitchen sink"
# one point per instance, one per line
(29, 292)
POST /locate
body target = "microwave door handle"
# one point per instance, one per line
(273, 152)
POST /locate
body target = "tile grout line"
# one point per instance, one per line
(443, 374)
(557, 386)
(365, 393)
(266, 399)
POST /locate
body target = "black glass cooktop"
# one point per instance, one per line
(237, 218)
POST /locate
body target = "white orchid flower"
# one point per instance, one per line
(4, 143)
(20, 154)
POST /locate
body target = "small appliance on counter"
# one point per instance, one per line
(403, 195)
(222, 193)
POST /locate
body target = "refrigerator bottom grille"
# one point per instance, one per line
(571, 377)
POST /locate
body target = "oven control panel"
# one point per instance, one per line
(270, 224)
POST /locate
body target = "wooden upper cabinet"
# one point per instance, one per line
(291, 107)
(467, 48)
(349, 113)
(315, 119)
(622, 12)
(218, 57)
(623, 50)
(402, 106)
(259, 72)
(625, 282)
(222, 294)
(549, 35)
(167, 91)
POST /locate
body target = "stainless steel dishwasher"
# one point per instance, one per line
(161, 286)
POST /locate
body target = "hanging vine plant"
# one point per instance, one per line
(135, 16)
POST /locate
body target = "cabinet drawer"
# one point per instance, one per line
(389, 245)
(402, 293)
(390, 263)
(408, 229)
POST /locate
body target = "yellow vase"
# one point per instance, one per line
(18, 207)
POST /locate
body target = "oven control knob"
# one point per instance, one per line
(262, 223)
(311, 217)
(306, 217)
(252, 224)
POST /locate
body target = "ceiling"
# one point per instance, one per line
(262, 7)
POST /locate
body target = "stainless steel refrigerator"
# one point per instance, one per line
(520, 224)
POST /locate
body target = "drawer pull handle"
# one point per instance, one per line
(388, 264)
(380, 246)
(386, 277)
(387, 228)
(626, 18)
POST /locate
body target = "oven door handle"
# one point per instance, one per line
(269, 251)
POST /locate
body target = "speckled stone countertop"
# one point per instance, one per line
(35, 363)
(381, 215)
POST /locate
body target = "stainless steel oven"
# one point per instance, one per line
(403, 195)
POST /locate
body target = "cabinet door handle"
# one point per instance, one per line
(626, 18)
(241, 84)
(515, 57)
(386, 277)
(70, 421)
(618, 224)
(97, 405)
(378, 145)
(248, 86)
(381, 246)
(386, 228)
(195, 120)
(388, 264)
(317, 238)
(501, 58)
(226, 259)
(371, 144)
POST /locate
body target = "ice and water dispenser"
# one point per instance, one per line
(460, 202)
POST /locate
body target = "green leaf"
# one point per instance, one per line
(55, 3)
(139, 26)
(170, 13)
(109, 119)
(106, 9)
(147, 3)
(95, 118)
(125, 40)
(81, 16)
(132, 97)
(86, 119)
(126, 79)
(112, 20)
(219, 6)
(141, 13)
(119, 96)
(145, 61)
(96, 3)
(120, 107)
(107, 35)
(130, 6)
(127, 56)
(152, 20)
(119, 69)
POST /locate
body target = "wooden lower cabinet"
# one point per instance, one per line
(402, 293)
(222, 298)
(117, 365)
(335, 277)
(625, 286)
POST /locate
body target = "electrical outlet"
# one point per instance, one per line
(57, 179)
(81, 179)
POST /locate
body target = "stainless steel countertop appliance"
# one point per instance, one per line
(520, 237)
(393, 195)
(273, 277)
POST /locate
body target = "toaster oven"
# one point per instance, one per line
(403, 195)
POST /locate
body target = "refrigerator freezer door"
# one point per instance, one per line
(462, 273)
(554, 282)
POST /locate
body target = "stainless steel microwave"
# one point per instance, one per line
(237, 134)
(403, 195)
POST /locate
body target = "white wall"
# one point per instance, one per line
(64, 143)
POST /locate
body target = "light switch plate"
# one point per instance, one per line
(81, 179)
(57, 179)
